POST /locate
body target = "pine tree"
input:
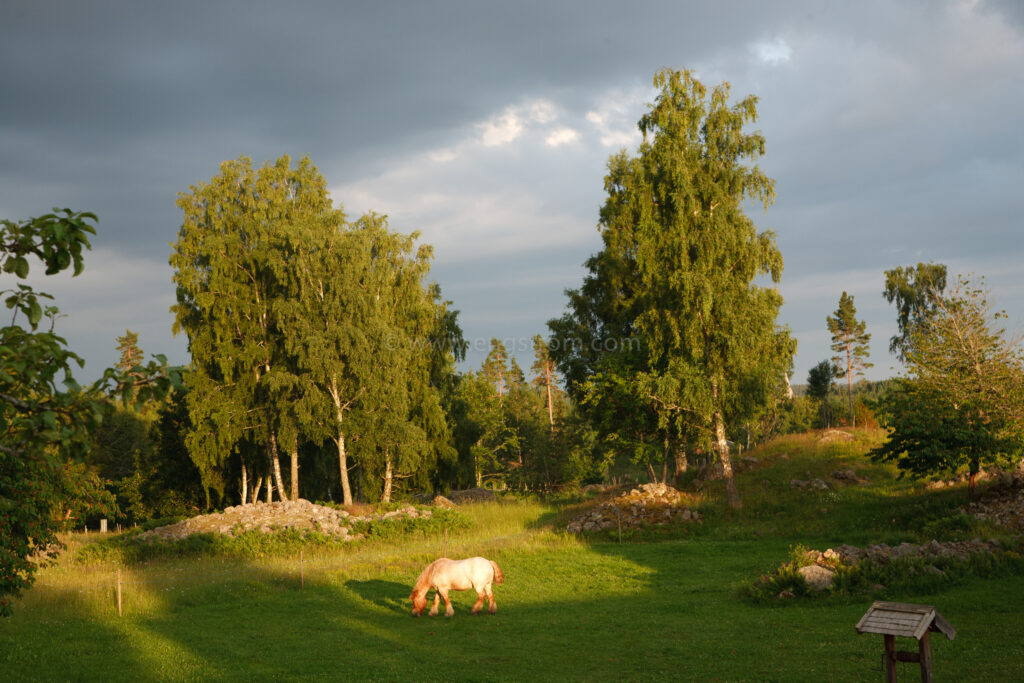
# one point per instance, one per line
(850, 343)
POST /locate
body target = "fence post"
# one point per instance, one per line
(118, 591)
(444, 550)
(302, 570)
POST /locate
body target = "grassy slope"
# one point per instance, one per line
(569, 610)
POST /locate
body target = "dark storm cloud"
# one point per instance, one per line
(102, 101)
(891, 131)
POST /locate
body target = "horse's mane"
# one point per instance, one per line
(426, 576)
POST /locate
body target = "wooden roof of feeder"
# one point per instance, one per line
(902, 619)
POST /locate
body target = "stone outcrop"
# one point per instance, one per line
(1003, 505)
(818, 484)
(650, 504)
(270, 517)
(817, 577)
(477, 495)
(882, 553)
(848, 476)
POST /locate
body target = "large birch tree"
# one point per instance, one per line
(231, 264)
(669, 318)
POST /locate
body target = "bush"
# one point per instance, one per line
(887, 578)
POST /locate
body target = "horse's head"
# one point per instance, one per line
(419, 602)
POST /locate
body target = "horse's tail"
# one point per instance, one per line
(499, 576)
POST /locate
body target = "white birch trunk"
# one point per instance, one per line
(722, 446)
(245, 483)
(275, 465)
(339, 415)
(388, 478)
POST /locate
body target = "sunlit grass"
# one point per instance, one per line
(660, 605)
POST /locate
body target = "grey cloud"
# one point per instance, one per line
(888, 145)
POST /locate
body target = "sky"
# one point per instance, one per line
(892, 131)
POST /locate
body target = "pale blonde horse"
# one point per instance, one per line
(456, 575)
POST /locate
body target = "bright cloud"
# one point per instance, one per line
(614, 118)
(773, 52)
(561, 136)
(501, 130)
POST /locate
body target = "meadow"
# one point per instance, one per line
(664, 604)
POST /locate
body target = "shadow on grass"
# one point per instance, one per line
(387, 594)
(604, 612)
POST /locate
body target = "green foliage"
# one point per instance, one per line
(668, 337)
(850, 343)
(885, 579)
(45, 416)
(819, 386)
(915, 291)
(306, 329)
(961, 404)
(402, 526)
(43, 411)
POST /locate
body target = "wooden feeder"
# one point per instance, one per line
(893, 619)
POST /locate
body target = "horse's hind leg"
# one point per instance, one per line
(437, 600)
(478, 605)
(492, 606)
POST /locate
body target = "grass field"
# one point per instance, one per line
(659, 606)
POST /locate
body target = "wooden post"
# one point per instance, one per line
(103, 526)
(618, 516)
(444, 550)
(118, 591)
(302, 570)
(890, 659)
(924, 651)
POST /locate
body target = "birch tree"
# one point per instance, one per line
(231, 262)
(676, 274)
(961, 404)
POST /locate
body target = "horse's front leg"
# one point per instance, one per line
(449, 610)
(437, 601)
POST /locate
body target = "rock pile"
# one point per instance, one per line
(1003, 505)
(270, 517)
(820, 574)
(650, 504)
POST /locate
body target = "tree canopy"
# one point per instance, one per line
(669, 337)
(961, 402)
(915, 291)
(45, 415)
(850, 344)
(306, 328)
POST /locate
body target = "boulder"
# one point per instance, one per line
(817, 577)
(442, 502)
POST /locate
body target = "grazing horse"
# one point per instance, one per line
(456, 575)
